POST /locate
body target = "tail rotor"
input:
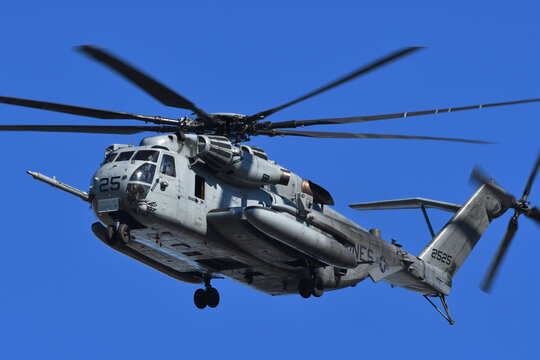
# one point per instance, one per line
(521, 207)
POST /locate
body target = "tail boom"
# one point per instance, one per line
(452, 245)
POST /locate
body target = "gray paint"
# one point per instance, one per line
(266, 235)
(459, 236)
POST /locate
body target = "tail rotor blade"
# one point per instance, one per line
(527, 190)
(534, 214)
(501, 251)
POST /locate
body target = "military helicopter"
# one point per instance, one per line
(198, 204)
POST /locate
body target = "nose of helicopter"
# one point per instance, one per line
(119, 186)
(109, 185)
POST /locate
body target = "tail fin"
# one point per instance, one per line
(452, 245)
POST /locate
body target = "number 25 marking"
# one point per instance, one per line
(104, 183)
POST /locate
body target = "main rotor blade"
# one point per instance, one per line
(84, 111)
(501, 251)
(356, 119)
(338, 135)
(90, 129)
(363, 70)
(159, 91)
(480, 177)
(527, 190)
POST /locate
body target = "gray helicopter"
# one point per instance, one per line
(198, 204)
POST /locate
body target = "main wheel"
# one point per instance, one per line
(318, 287)
(212, 297)
(124, 233)
(111, 238)
(200, 298)
(304, 288)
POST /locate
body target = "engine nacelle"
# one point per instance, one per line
(216, 151)
(247, 166)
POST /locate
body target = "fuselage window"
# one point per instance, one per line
(147, 155)
(124, 156)
(110, 157)
(199, 187)
(167, 166)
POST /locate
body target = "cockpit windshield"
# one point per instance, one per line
(144, 173)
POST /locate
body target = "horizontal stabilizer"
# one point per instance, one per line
(411, 203)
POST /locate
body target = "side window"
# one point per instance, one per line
(110, 157)
(126, 155)
(199, 187)
(167, 166)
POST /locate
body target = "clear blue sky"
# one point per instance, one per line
(66, 295)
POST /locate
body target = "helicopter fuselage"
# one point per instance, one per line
(187, 219)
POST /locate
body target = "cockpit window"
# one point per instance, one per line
(144, 173)
(110, 157)
(167, 166)
(124, 156)
(147, 155)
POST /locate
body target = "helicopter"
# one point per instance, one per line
(198, 204)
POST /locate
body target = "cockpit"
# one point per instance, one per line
(147, 160)
(143, 155)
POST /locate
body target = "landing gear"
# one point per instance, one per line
(445, 306)
(212, 297)
(304, 288)
(122, 233)
(318, 287)
(200, 298)
(308, 287)
(111, 238)
(206, 297)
